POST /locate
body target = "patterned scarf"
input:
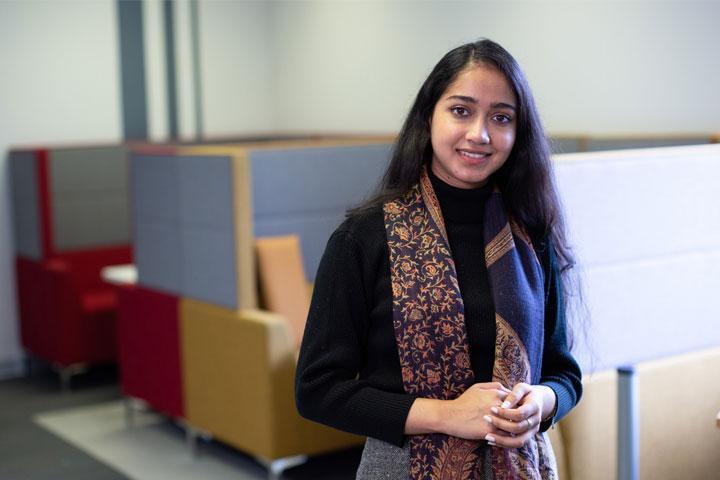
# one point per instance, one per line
(429, 322)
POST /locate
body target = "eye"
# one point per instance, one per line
(460, 111)
(502, 118)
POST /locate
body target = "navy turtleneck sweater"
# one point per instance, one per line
(349, 375)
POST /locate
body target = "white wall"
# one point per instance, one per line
(236, 60)
(598, 67)
(236, 64)
(58, 83)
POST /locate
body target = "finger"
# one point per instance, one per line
(500, 394)
(500, 439)
(518, 392)
(519, 414)
(517, 428)
(493, 386)
(505, 442)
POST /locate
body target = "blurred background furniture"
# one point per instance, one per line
(71, 220)
(675, 396)
(239, 371)
(212, 224)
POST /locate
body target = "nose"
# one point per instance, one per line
(478, 132)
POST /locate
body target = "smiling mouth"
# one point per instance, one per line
(474, 155)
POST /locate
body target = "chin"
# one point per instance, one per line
(476, 179)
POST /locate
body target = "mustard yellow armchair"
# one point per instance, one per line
(238, 375)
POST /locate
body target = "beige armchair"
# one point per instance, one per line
(677, 398)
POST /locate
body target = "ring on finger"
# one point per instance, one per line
(529, 423)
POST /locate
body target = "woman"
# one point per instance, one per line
(437, 324)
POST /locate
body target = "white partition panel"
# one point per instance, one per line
(646, 227)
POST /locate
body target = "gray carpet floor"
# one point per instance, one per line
(29, 452)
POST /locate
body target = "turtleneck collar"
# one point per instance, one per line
(460, 205)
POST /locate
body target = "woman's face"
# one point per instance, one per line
(473, 127)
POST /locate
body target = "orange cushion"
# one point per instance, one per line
(282, 280)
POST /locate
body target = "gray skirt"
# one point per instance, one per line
(384, 461)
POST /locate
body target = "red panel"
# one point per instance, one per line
(43, 177)
(149, 348)
(37, 325)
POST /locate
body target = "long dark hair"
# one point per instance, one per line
(526, 179)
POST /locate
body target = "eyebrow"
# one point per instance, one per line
(465, 98)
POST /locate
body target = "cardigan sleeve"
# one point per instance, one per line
(560, 371)
(328, 389)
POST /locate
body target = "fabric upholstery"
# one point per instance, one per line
(282, 281)
(25, 203)
(88, 192)
(67, 313)
(191, 212)
(149, 348)
(678, 399)
(589, 432)
(334, 177)
(558, 444)
(645, 227)
(238, 375)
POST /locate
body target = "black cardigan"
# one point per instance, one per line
(348, 374)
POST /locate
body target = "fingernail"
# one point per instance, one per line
(488, 419)
(494, 410)
(490, 438)
(505, 404)
(492, 444)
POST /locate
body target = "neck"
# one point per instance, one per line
(460, 205)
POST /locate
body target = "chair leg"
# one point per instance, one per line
(191, 440)
(276, 467)
(67, 372)
(129, 404)
(65, 378)
(192, 437)
(29, 365)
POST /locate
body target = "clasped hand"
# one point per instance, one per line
(503, 417)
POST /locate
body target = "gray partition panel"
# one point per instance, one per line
(155, 187)
(206, 191)
(564, 145)
(184, 226)
(598, 144)
(156, 220)
(157, 254)
(91, 221)
(89, 195)
(315, 179)
(307, 191)
(209, 270)
(26, 212)
(209, 262)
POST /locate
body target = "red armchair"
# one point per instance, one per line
(67, 311)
